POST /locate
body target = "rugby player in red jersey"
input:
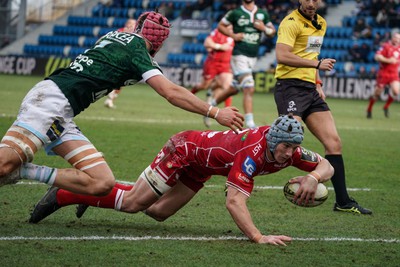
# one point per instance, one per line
(388, 57)
(190, 158)
(217, 73)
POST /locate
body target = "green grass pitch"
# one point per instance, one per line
(203, 233)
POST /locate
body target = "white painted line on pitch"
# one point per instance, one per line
(211, 186)
(196, 122)
(185, 238)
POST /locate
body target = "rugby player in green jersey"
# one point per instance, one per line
(46, 114)
(249, 23)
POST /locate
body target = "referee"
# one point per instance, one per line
(299, 89)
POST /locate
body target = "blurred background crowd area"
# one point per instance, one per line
(352, 37)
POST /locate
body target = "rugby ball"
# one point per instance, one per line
(321, 195)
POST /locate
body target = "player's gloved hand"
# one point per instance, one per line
(230, 117)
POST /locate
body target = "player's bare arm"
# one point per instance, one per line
(382, 59)
(183, 98)
(210, 45)
(268, 28)
(237, 207)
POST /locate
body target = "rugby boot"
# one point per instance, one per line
(351, 207)
(46, 206)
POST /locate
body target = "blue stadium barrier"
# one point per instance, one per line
(75, 51)
(133, 3)
(88, 21)
(119, 22)
(43, 50)
(201, 37)
(73, 30)
(58, 40)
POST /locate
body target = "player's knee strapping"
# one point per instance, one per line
(156, 183)
(23, 142)
(247, 82)
(85, 157)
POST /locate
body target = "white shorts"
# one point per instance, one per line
(46, 112)
(242, 65)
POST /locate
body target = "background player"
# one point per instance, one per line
(217, 71)
(249, 22)
(189, 159)
(388, 57)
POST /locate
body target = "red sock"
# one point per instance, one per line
(388, 102)
(228, 102)
(65, 198)
(372, 101)
(125, 187)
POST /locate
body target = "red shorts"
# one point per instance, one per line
(171, 165)
(214, 68)
(384, 78)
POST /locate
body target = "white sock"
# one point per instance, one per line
(42, 174)
(248, 118)
(118, 199)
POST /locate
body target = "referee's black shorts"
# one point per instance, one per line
(298, 97)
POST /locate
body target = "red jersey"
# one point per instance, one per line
(193, 156)
(388, 50)
(218, 55)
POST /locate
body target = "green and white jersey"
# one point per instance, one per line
(242, 20)
(118, 59)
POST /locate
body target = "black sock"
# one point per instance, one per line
(338, 179)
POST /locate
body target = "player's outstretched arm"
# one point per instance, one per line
(183, 98)
(236, 205)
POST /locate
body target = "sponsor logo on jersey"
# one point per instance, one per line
(314, 44)
(79, 62)
(257, 149)
(251, 38)
(243, 178)
(249, 166)
(121, 37)
(244, 137)
(308, 155)
(242, 21)
(291, 18)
